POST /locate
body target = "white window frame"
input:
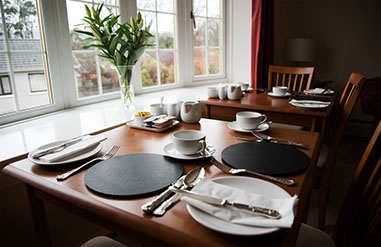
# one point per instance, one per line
(61, 67)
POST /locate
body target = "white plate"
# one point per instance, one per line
(170, 150)
(252, 185)
(86, 153)
(313, 92)
(135, 126)
(309, 106)
(279, 96)
(234, 126)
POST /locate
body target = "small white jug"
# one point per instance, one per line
(191, 112)
(222, 91)
(234, 92)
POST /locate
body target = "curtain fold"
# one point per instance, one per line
(262, 41)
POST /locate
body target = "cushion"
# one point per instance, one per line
(371, 97)
(312, 237)
(101, 241)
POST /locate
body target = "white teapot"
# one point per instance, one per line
(191, 112)
(234, 92)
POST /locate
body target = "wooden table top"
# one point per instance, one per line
(263, 102)
(176, 227)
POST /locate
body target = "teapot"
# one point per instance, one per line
(191, 112)
(234, 92)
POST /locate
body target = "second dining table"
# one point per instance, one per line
(124, 216)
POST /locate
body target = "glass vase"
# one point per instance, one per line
(126, 84)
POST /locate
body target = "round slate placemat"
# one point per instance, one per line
(266, 158)
(133, 174)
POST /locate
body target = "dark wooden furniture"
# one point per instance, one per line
(278, 110)
(294, 78)
(346, 105)
(124, 216)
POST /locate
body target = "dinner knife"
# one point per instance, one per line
(269, 213)
(59, 147)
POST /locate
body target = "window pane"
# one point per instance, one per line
(149, 69)
(199, 32)
(214, 8)
(199, 61)
(145, 4)
(6, 85)
(149, 20)
(166, 30)
(214, 27)
(86, 75)
(110, 77)
(167, 67)
(37, 82)
(214, 61)
(165, 6)
(199, 7)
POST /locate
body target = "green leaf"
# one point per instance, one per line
(84, 32)
(88, 12)
(113, 44)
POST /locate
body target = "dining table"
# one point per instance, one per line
(124, 216)
(277, 110)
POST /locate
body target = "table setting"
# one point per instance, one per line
(146, 178)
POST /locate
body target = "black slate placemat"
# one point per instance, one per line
(133, 174)
(266, 158)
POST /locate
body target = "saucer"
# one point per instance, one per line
(170, 150)
(234, 126)
(279, 96)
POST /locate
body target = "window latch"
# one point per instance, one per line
(193, 19)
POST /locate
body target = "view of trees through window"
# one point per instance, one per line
(21, 54)
(158, 64)
(207, 39)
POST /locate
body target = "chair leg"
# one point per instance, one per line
(323, 201)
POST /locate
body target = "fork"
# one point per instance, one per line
(234, 171)
(106, 156)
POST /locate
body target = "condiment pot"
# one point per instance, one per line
(191, 111)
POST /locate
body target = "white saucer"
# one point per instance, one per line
(170, 150)
(234, 126)
(279, 96)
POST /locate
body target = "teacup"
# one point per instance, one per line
(249, 119)
(212, 92)
(189, 142)
(280, 90)
(157, 109)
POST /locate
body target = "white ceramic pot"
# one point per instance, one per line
(234, 92)
(222, 91)
(191, 112)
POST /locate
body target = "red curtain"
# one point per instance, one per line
(262, 41)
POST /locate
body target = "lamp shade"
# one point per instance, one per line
(300, 50)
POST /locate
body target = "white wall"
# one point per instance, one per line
(241, 44)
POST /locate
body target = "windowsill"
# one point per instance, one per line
(17, 139)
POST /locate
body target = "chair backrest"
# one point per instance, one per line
(360, 216)
(346, 105)
(295, 78)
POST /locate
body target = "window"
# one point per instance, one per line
(21, 52)
(161, 59)
(94, 75)
(5, 85)
(207, 37)
(37, 83)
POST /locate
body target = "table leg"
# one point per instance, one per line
(313, 125)
(39, 218)
(207, 111)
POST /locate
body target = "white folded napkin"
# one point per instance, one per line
(314, 102)
(318, 91)
(73, 149)
(285, 206)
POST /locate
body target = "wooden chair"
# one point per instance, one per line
(295, 78)
(325, 165)
(359, 219)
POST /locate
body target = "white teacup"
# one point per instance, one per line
(189, 142)
(249, 119)
(212, 92)
(157, 109)
(280, 90)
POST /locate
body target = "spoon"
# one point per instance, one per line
(190, 180)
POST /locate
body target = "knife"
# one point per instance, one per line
(268, 138)
(269, 213)
(59, 147)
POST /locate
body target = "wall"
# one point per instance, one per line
(241, 33)
(347, 35)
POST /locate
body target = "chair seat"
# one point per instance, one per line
(312, 237)
(101, 241)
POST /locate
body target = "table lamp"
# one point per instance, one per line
(300, 50)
